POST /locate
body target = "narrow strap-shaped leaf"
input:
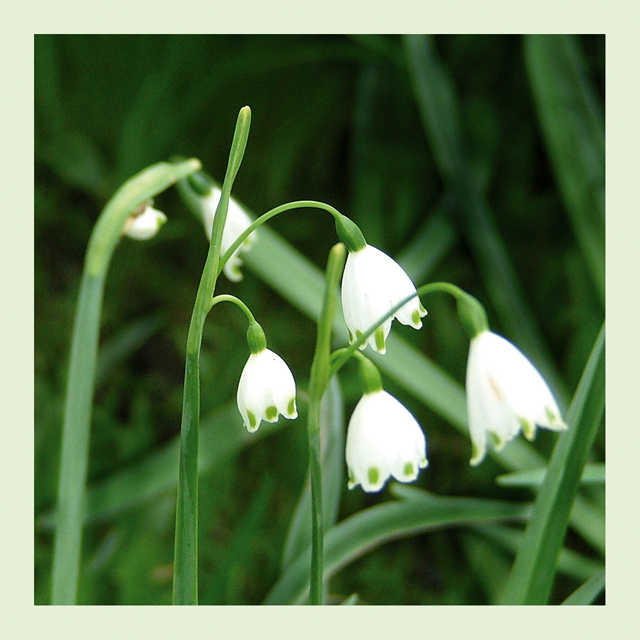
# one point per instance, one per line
(593, 473)
(534, 569)
(82, 368)
(570, 563)
(589, 591)
(372, 527)
(574, 133)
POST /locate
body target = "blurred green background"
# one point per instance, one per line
(473, 159)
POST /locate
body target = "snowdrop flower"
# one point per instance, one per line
(237, 221)
(266, 389)
(505, 394)
(372, 284)
(383, 439)
(144, 223)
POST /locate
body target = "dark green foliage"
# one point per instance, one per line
(337, 119)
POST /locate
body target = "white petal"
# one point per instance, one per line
(372, 284)
(236, 223)
(383, 439)
(504, 392)
(266, 389)
(144, 225)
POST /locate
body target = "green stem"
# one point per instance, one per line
(317, 386)
(224, 297)
(82, 368)
(341, 356)
(298, 204)
(185, 575)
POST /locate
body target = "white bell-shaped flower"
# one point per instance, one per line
(383, 439)
(237, 221)
(266, 389)
(505, 394)
(372, 284)
(144, 224)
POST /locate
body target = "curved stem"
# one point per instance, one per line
(298, 204)
(82, 368)
(341, 356)
(225, 297)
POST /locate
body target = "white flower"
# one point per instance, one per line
(237, 221)
(266, 389)
(383, 439)
(505, 394)
(144, 225)
(372, 284)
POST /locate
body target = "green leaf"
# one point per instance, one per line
(593, 473)
(534, 569)
(570, 563)
(82, 367)
(574, 132)
(372, 527)
(589, 591)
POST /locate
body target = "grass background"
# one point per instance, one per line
(339, 119)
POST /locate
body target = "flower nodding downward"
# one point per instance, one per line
(383, 440)
(372, 284)
(266, 389)
(144, 223)
(505, 395)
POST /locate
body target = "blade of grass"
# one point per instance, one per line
(372, 527)
(332, 436)
(589, 591)
(534, 569)
(574, 133)
(185, 569)
(570, 563)
(593, 473)
(82, 368)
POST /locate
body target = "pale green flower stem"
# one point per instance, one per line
(82, 368)
(185, 573)
(224, 297)
(265, 217)
(472, 316)
(320, 375)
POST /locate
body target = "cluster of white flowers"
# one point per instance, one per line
(505, 393)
